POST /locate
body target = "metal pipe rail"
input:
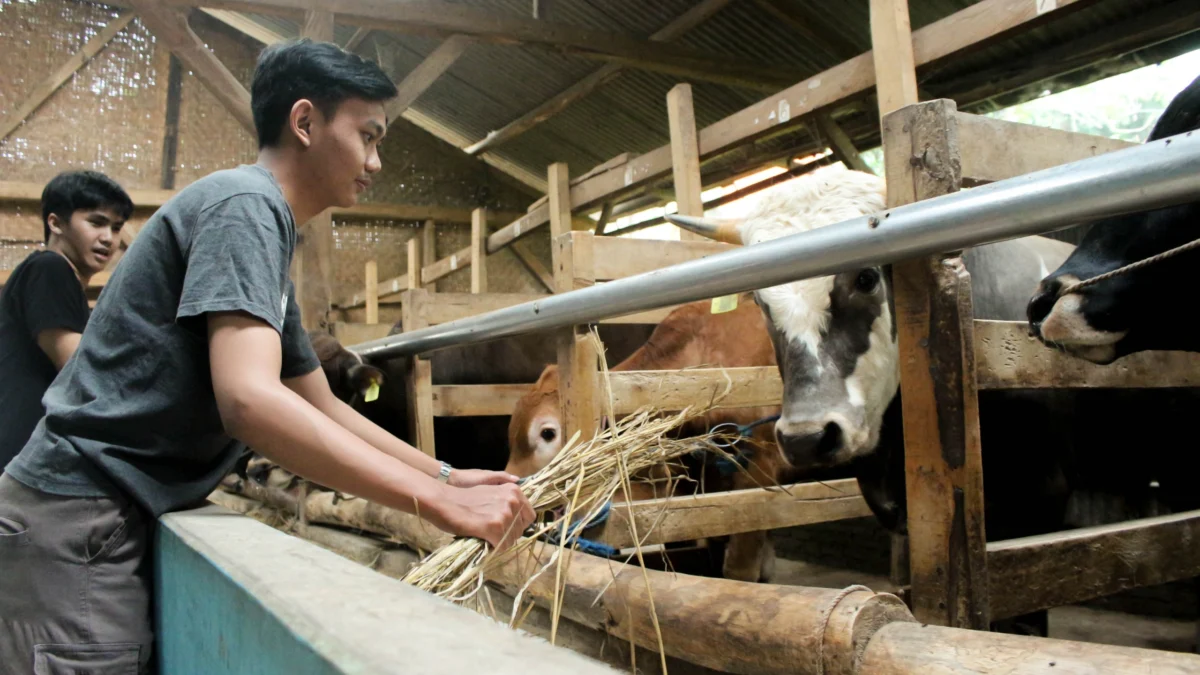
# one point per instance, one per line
(1154, 175)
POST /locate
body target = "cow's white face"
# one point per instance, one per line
(834, 337)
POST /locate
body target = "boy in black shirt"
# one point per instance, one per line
(43, 307)
(194, 349)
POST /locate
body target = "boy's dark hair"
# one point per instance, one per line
(321, 72)
(73, 191)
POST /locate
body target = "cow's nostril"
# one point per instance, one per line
(1040, 307)
(831, 439)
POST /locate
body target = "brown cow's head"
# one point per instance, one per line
(349, 378)
(535, 430)
(1140, 310)
(834, 338)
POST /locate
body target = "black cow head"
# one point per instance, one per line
(349, 378)
(1135, 311)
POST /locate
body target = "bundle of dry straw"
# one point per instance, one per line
(581, 480)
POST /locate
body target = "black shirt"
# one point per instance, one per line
(43, 293)
(134, 409)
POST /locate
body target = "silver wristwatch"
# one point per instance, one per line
(444, 473)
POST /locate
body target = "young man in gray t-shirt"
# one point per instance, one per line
(195, 349)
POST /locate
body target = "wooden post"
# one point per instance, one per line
(558, 183)
(892, 45)
(372, 293)
(479, 234)
(428, 248)
(414, 265)
(420, 375)
(685, 155)
(934, 316)
(577, 366)
(315, 253)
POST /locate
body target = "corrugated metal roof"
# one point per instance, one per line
(492, 84)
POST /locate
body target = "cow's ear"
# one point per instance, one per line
(362, 377)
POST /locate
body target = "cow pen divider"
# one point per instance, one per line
(949, 579)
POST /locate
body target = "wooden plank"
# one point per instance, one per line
(442, 268)
(428, 246)
(413, 263)
(469, 400)
(171, 123)
(315, 253)
(426, 73)
(685, 156)
(318, 25)
(677, 389)
(449, 307)
(420, 377)
(26, 192)
(170, 26)
(350, 334)
(718, 514)
(245, 25)
(617, 258)
(531, 263)
(578, 358)
(1007, 357)
(558, 181)
(943, 462)
(46, 88)
(547, 109)
(479, 232)
(1064, 568)
(841, 144)
(356, 39)
(371, 275)
(994, 149)
(895, 66)
(518, 228)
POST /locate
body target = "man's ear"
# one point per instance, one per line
(55, 223)
(300, 121)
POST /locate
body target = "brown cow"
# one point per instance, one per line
(689, 337)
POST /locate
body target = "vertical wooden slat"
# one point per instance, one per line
(685, 155)
(558, 181)
(372, 293)
(420, 376)
(577, 365)
(892, 45)
(943, 462)
(414, 264)
(428, 248)
(479, 234)
(171, 126)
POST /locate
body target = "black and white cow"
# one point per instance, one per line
(1144, 309)
(835, 342)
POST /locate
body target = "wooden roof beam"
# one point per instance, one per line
(424, 75)
(824, 37)
(171, 27)
(59, 77)
(245, 25)
(547, 109)
(433, 17)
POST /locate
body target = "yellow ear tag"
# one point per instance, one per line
(725, 303)
(372, 392)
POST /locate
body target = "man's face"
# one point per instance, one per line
(345, 149)
(89, 238)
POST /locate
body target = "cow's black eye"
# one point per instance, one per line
(867, 281)
(548, 435)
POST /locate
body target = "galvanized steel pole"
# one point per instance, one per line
(1154, 175)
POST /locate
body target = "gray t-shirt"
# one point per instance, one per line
(134, 407)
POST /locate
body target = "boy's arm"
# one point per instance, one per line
(314, 388)
(59, 344)
(55, 310)
(257, 409)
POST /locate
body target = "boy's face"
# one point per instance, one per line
(345, 150)
(89, 239)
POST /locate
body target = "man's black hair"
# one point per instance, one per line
(321, 72)
(73, 191)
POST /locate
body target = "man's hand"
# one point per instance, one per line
(497, 514)
(465, 478)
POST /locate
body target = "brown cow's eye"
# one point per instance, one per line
(867, 281)
(548, 435)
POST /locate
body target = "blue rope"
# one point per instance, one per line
(586, 545)
(742, 456)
